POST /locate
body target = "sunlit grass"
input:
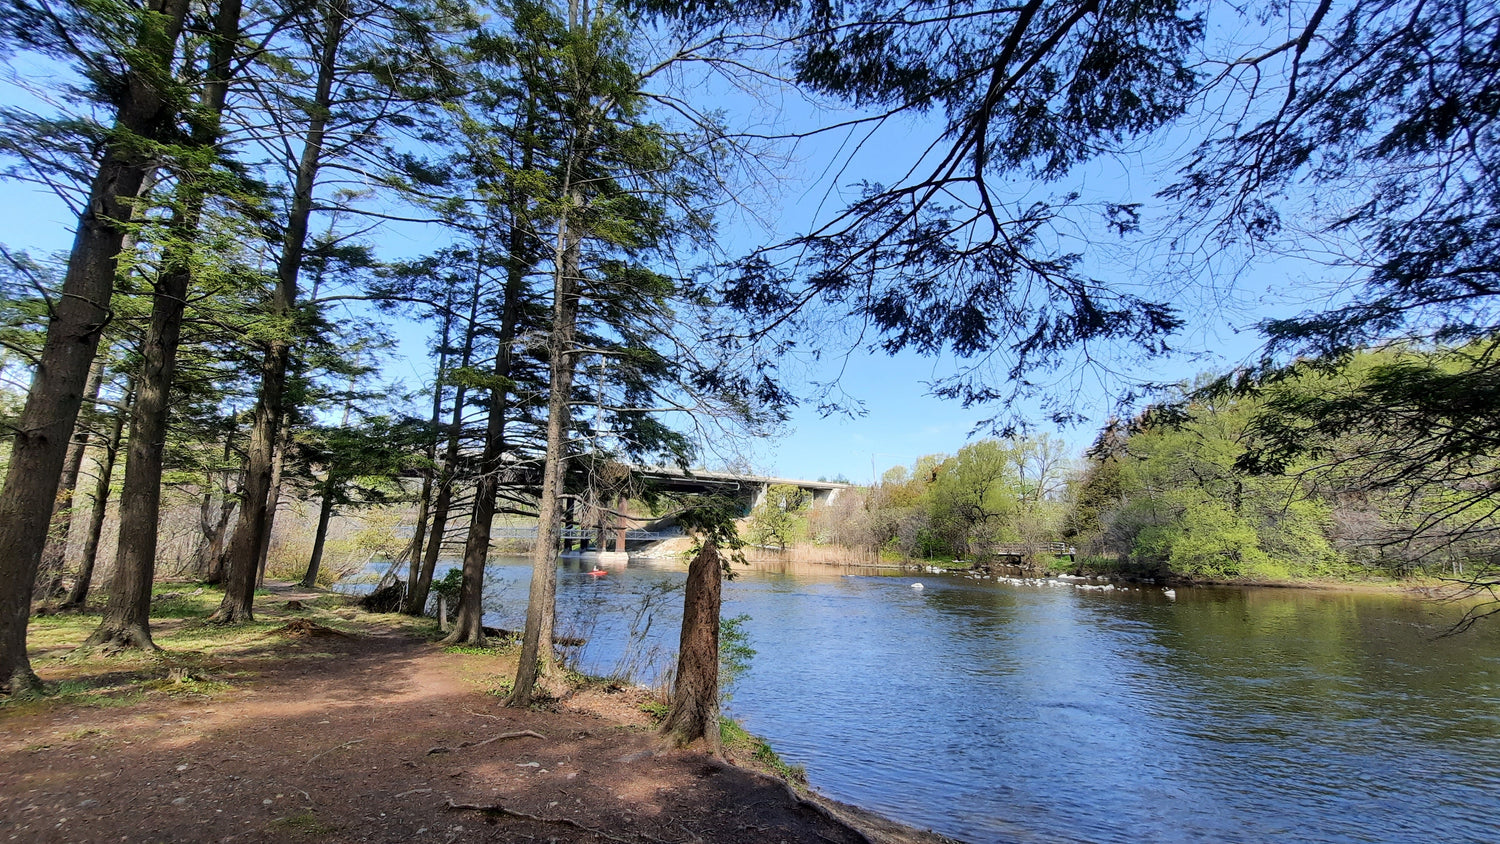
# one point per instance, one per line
(193, 653)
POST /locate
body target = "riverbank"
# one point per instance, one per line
(1421, 587)
(324, 723)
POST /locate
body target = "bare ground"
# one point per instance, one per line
(375, 735)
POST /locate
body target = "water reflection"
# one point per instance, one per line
(997, 712)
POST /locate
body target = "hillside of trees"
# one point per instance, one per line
(1217, 485)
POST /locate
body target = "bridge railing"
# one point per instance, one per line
(524, 532)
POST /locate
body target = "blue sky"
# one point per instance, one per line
(901, 421)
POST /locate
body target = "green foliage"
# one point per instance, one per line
(1278, 483)
(780, 519)
(993, 492)
(735, 654)
(450, 585)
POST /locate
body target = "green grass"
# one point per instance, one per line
(189, 663)
(304, 823)
(472, 650)
(738, 741)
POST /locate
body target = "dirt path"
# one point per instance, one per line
(377, 736)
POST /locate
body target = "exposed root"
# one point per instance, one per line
(332, 749)
(113, 640)
(497, 809)
(501, 737)
(22, 683)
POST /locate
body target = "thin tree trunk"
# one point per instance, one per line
(273, 502)
(469, 624)
(78, 317)
(212, 563)
(419, 533)
(536, 646)
(210, 557)
(55, 552)
(325, 513)
(253, 526)
(694, 715)
(421, 585)
(78, 596)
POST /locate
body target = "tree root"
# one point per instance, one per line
(501, 737)
(332, 749)
(113, 640)
(497, 809)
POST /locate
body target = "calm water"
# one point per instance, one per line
(995, 712)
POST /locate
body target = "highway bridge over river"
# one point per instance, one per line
(749, 490)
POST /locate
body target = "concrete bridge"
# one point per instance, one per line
(585, 533)
(750, 488)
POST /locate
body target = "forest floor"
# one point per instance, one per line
(322, 723)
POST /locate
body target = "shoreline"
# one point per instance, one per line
(1417, 588)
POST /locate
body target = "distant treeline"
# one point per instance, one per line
(1331, 471)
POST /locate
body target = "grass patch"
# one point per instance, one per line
(303, 823)
(658, 712)
(184, 600)
(471, 650)
(740, 743)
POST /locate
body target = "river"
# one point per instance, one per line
(995, 711)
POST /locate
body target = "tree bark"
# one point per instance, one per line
(252, 528)
(55, 552)
(77, 319)
(694, 715)
(273, 502)
(78, 596)
(536, 646)
(469, 624)
(424, 500)
(127, 618)
(325, 513)
(421, 586)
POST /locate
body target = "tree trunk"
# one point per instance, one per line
(210, 563)
(273, 502)
(419, 532)
(126, 621)
(416, 598)
(78, 596)
(536, 645)
(325, 513)
(127, 617)
(468, 626)
(694, 715)
(251, 531)
(78, 317)
(55, 552)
